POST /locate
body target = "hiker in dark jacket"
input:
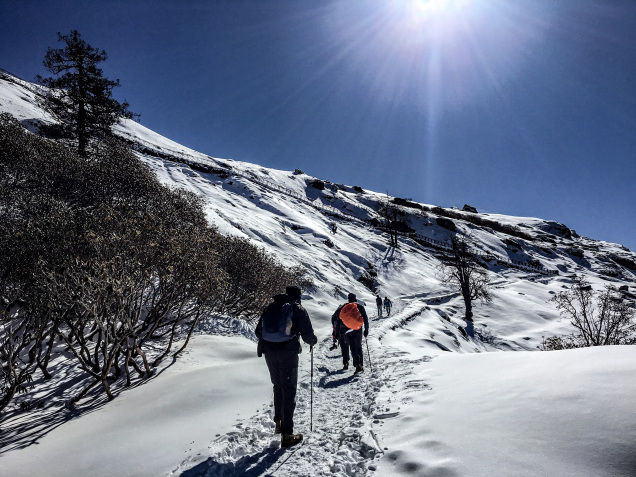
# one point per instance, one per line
(334, 337)
(378, 302)
(278, 329)
(387, 305)
(349, 320)
(339, 338)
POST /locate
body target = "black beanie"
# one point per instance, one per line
(351, 297)
(293, 292)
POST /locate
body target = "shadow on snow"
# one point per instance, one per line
(248, 466)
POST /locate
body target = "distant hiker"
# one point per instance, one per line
(387, 305)
(334, 336)
(378, 302)
(277, 330)
(349, 319)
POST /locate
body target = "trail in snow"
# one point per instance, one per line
(348, 415)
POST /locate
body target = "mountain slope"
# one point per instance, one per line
(291, 215)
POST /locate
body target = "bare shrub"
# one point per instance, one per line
(98, 256)
(462, 271)
(600, 319)
(392, 221)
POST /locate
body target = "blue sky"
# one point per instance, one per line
(521, 108)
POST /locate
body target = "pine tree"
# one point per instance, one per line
(79, 95)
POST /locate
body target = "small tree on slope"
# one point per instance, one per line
(608, 322)
(392, 216)
(463, 272)
(79, 95)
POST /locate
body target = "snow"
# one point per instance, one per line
(436, 403)
(147, 428)
(522, 414)
(20, 98)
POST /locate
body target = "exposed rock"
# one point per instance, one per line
(556, 228)
(446, 223)
(406, 203)
(624, 261)
(317, 184)
(576, 252)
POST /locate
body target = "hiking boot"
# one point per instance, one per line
(345, 366)
(278, 424)
(289, 440)
(359, 369)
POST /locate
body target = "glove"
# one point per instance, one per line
(366, 332)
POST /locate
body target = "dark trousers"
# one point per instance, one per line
(353, 342)
(283, 371)
(344, 347)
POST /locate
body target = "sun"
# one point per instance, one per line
(418, 13)
(436, 7)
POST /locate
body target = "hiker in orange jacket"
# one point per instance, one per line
(348, 321)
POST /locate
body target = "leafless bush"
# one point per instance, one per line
(462, 271)
(392, 219)
(600, 319)
(99, 257)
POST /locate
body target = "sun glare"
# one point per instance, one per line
(422, 16)
(436, 7)
(436, 57)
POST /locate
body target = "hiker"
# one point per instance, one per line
(277, 331)
(334, 336)
(349, 319)
(387, 305)
(338, 338)
(378, 302)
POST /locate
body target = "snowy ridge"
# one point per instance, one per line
(210, 413)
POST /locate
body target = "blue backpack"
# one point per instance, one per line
(277, 322)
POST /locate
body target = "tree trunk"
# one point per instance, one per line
(106, 387)
(468, 303)
(126, 366)
(44, 364)
(194, 322)
(82, 140)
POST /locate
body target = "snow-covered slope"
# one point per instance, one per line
(292, 216)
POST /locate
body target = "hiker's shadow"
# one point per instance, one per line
(248, 466)
(326, 383)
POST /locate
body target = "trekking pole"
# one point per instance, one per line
(368, 354)
(311, 392)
